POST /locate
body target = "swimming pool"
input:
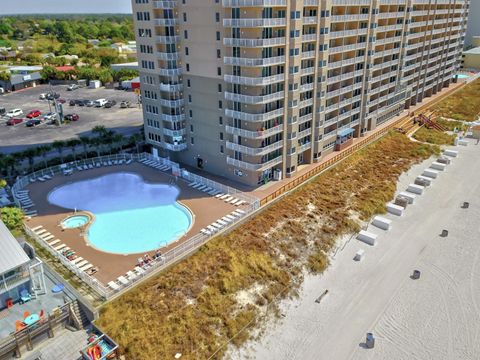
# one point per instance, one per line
(131, 215)
(462, 76)
(75, 221)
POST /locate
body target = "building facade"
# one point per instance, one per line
(252, 89)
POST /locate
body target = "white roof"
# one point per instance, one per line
(12, 255)
(25, 68)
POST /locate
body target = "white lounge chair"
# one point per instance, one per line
(85, 167)
(217, 225)
(41, 179)
(197, 186)
(139, 270)
(40, 232)
(98, 165)
(113, 285)
(123, 280)
(205, 232)
(218, 196)
(47, 177)
(221, 222)
(59, 247)
(82, 263)
(201, 188)
(76, 260)
(211, 228)
(36, 228)
(207, 190)
(230, 217)
(86, 267)
(233, 201)
(192, 184)
(241, 211)
(224, 197)
(131, 275)
(50, 237)
(54, 242)
(228, 199)
(226, 219)
(90, 166)
(44, 235)
(129, 161)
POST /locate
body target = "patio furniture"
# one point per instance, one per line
(113, 285)
(9, 303)
(123, 280)
(26, 314)
(25, 296)
(31, 319)
(58, 288)
(19, 326)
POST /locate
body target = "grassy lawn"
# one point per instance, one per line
(198, 304)
(463, 105)
(451, 125)
(433, 137)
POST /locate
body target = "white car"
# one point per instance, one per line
(42, 96)
(14, 113)
(73, 87)
(100, 102)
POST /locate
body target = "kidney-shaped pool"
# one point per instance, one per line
(131, 215)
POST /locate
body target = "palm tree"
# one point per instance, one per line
(43, 152)
(30, 154)
(136, 139)
(99, 131)
(59, 145)
(72, 144)
(85, 140)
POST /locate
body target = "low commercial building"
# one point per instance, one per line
(22, 77)
(124, 66)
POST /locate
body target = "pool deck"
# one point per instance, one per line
(205, 208)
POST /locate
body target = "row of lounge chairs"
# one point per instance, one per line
(217, 193)
(96, 164)
(223, 222)
(126, 279)
(155, 164)
(26, 203)
(65, 251)
(42, 178)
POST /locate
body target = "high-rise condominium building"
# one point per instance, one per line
(251, 89)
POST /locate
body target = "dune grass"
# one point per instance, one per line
(451, 125)
(195, 306)
(432, 136)
(463, 105)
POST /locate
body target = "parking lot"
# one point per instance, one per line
(18, 137)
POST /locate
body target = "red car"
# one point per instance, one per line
(33, 114)
(14, 121)
(61, 101)
(72, 117)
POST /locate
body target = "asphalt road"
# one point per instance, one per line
(19, 137)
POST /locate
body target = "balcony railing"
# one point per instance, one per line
(260, 134)
(254, 81)
(255, 151)
(254, 43)
(254, 117)
(241, 61)
(253, 166)
(251, 23)
(171, 88)
(168, 39)
(164, 4)
(165, 22)
(253, 3)
(172, 133)
(251, 99)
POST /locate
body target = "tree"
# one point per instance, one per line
(4, 76)
(30, 154)
(49, 73)
(59, 145)
(43, 152)
(72, 144)
(12, 218)
(136, 139)
(85, 140)
(3, 183)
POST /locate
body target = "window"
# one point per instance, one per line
(190, 113)
(189, 98)
(191, 128)
(220, 120)
(219, 71)
(217, 17)
(188, 67)
(219, 87)
(185, 17)
(192, 141)
(189, 84)
(220, 104)
(218, 35)
(219, 54)
(221, 136)
(185, 34)
(221, 149)
(186, 51)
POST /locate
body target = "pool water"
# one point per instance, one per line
(75, 221)
(462, 76)
(131, 216)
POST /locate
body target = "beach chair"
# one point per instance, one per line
(122, 280)
(139, 270)
(228, 199)
(224, 197)
(54, 242)
(49, 237)
(192, 184)
(221, 222)
(207, 190)
(233, 201)
(79, 168)
(241, 202)
(76, 260)
(40, 232)
(197, 186)
(131, 275)
(90, 166)
(226, 219)
(36, 228)
(234, 215)
(218, 196)
(202, 187)
(81, 263)
(32, 180)
(31, 213)
(41, 179)
(91, 271)
(47, 177)
(45, 234)
(129, 161)
(217, 225)
(59, 247)
(211, 228)
(113, 286)
(241, 211)
(86, 267)
(205, 232)
(98, 165)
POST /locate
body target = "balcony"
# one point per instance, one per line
(174, 147)
(309, 37)
(254, 117)
(351, 2)
(170, 72)
(346, 33)
(391, 15)
(349, 17)
(170, 87)
(164, 4)
(255, 151)
(172, 133)
(254, 100)
(253, 3)
(165, 22)
(254, 43)
(254, 23)
(172, 118)
(260, 134)
(254, 81)
(168, 56)
(309, 20)
(308, 54)
(254, 167)
(304, 133)
(253, 62)
(351, 47)
(172, 103)
(390, 27)
(168, 39)
(307, 71)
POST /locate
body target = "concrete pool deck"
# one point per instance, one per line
(206, 209)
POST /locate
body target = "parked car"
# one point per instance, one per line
(72, 102)
(2, 91)
(72, 117)
(125, 104)
(110, 103)
(50, 116)
(61, 101)
(100, 102)
(80, 102)
(33, 122)
(14, 113)
(42, 96)
(3, 111)
(33, 114)
(73, 87)
(89, 103)
(52, 96)
(14, 121)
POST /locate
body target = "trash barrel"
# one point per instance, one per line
(444, 233)
(466, 205)
(416, 274)
(370, 341)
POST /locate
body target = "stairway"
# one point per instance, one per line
(80, 315)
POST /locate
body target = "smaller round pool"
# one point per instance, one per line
(75, 221)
